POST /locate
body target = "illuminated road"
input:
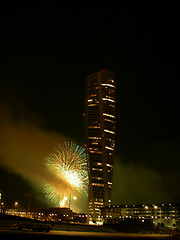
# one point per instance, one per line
(12, 234)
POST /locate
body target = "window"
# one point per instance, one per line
(108, 115)
(105, 130)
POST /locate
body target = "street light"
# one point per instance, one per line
(1, 206)
(74, 198)
(70, 199)
(16, 204)
(155, 207)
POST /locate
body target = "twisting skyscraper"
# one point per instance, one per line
(100, 139)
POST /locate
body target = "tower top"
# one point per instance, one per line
(103, 70)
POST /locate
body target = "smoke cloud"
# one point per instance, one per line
(24, 146)
(136, 185)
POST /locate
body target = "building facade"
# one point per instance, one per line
(0, 201)
(100, 139)
(166, 214)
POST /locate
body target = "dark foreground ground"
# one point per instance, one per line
(73, 231)
(67, 235)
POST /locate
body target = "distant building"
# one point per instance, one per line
(100, 139)
(0, 196)
(55, 214)
(166, 214)
(60, 213)
(1, 204)
(16, 212)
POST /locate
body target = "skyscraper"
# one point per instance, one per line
(100, 139)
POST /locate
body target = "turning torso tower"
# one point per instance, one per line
(100, 139)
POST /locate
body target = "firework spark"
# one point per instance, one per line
(69, 165)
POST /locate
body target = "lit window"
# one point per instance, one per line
(107, 99)
(95, 149)
(97, 169)
(98, 203)
(94, 137)
(108, 165)
(98, 184)
(109, 148)
(107, 85)
(97, 178)
(108, 115)
(91, 105)
(108, 120)
(96, 152)
(99, 164)
(105, 130)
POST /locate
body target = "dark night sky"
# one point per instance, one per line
(46, 55)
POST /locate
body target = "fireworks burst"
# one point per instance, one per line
(68, 164)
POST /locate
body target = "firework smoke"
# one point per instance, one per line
(69, 164)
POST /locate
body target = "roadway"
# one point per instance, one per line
(67, 235)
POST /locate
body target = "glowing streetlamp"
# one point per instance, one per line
(70, 200)
(1, 207)
(16, 204)
(155, 208)
(74, 198)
